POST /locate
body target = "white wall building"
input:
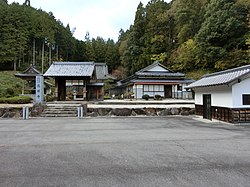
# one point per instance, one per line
(157, 79)
(224, 95)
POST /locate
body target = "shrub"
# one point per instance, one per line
(129, 95)
(7, 92)
(157, 97)
(16, 100)
(106, 97)
(49, 98)
(145, 96)
(10, 92)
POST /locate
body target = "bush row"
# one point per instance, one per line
(16, 100)
(156, 97)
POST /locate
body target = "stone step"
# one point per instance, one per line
(58, 108)
(60, 111)
(67, 103)
(63, 106)
(58, 115)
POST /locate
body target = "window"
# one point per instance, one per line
(151, 88)
(146, 88)
(246, 99)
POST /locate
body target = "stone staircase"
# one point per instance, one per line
(61, 109)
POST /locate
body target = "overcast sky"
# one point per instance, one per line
(102, 18)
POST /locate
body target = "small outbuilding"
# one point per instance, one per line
(224, 95)
(156, 79)
(29, 81)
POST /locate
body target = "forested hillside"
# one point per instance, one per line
(185, 35)
(189, 35)
(31, 36)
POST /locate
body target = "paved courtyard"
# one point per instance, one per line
(148, 152)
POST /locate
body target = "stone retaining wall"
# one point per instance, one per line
(17, 112)
(36, 111)
(94, 112)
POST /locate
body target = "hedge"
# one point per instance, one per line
(16, 100)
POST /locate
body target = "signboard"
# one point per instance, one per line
(39, 89)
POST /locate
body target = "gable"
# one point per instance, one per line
(158, 69)
(155, 67)
(101, 70)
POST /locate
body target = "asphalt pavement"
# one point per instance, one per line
(132, 151)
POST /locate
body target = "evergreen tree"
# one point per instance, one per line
(14, 35)
(99, 48)
(90, 54)
(159, 29)
(4, 1)
(112, 57)
(188, 16)
(223, 30)
(135, 43)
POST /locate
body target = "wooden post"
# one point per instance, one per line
(23, 87)
(56, 89)
(85, 90)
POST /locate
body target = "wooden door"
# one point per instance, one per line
(207, 109)
(168, 91)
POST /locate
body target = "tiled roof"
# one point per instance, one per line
(162, 81)
(154, 71)
(70, 69)
(31, 71)
(160, 74)
(221, 78)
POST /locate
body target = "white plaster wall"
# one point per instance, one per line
(220, 96)
(198, 97)
(158, 68)
(238, 89)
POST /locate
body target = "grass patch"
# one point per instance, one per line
(9, 84)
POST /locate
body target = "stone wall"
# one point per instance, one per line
(17, 112)
(94, 112)
(10, 112)
(36, 111)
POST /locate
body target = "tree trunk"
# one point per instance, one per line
(15, 65)
(34, 52)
